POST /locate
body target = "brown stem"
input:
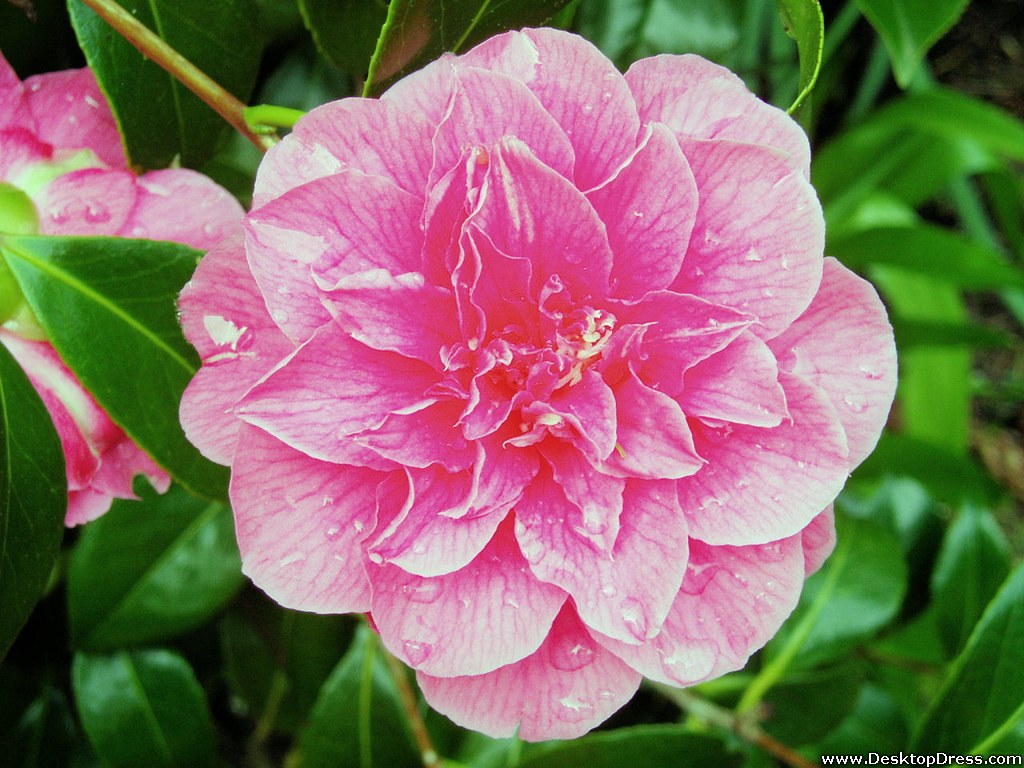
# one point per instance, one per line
(744, 728)
(153, 47)
(428, 754)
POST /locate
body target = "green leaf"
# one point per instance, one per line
(646, 746)
(108, 306)
(910, 333)
(143, 708)
(626, 30)
(807, 705)
(271, 652)
(935, 382)
(948, 475)
(358, 720)
(805, 23)
(981, 705)
(45, 733)
(874, 725)
(345, 31)
(221, 39)
(150, 570)
(974, 559)
(929, 250)
(33, 498)
(418, 31)
(910, 27)
(856, 593)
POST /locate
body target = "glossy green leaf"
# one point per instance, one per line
(856, 593)
(108, 306)
(270, 652)
(874, 725)
(345, 31)
(150, 570)
(981, 705)
(626, 30)
(973, 562)
(33, 498)
(418, 31)
(935, 390)
(648, 746)
(948, 475)
(807, 705)
(143, 708)
(910, 27)
(221, 39)
(910, 333)
(930, 250)
(358, 720)
(805, 23)
(45, 734)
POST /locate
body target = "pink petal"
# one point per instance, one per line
(183, 206)
(625, 593)
(843, 343)
(332, 226)
(490, 613)
(589, 407)
(740, 384)
(300, 523)
(92, 201)
(681, 330)
(449, 517)
(399, 313)
(597, 496)
(224, 318)
(19, 152)
(759, 234)
(487, 109)
(422, 438)
(14, 111)
(375, 137)
(733, 600)
(86, 505)
(501, 288)
(763, 484)
(119, 466)
(71, 112)
(330, 388)
(649, 208)
(533, 212)
(818, 539)
(701, 100)
(568, 686)
(653, 439)
(578, 86)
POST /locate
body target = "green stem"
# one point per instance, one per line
(365, 704)
(428, 754)
(744, 727)
(153, 47)
(264, 119)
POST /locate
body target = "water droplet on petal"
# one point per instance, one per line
(427, 591)
(568, 654)
(294, 557)
(573, 708)
(609, 591)
(635, 618)
(753, 255)
(95, 213)
(333, 531)
(279, 316)
(416, 652)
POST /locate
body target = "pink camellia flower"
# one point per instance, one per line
(543, 367)
(63, 172)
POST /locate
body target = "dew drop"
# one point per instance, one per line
(857, 406)
(870, 374)
(332, 532)
(573, 708)
(294, 557)
(279, 316)
(416, 652)
(635, 618)
(784, 262)
(768, 293)
(96, 213)
(609, 591)
(588, 108)
(753, 255)
(426, 591)
(569, 655)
